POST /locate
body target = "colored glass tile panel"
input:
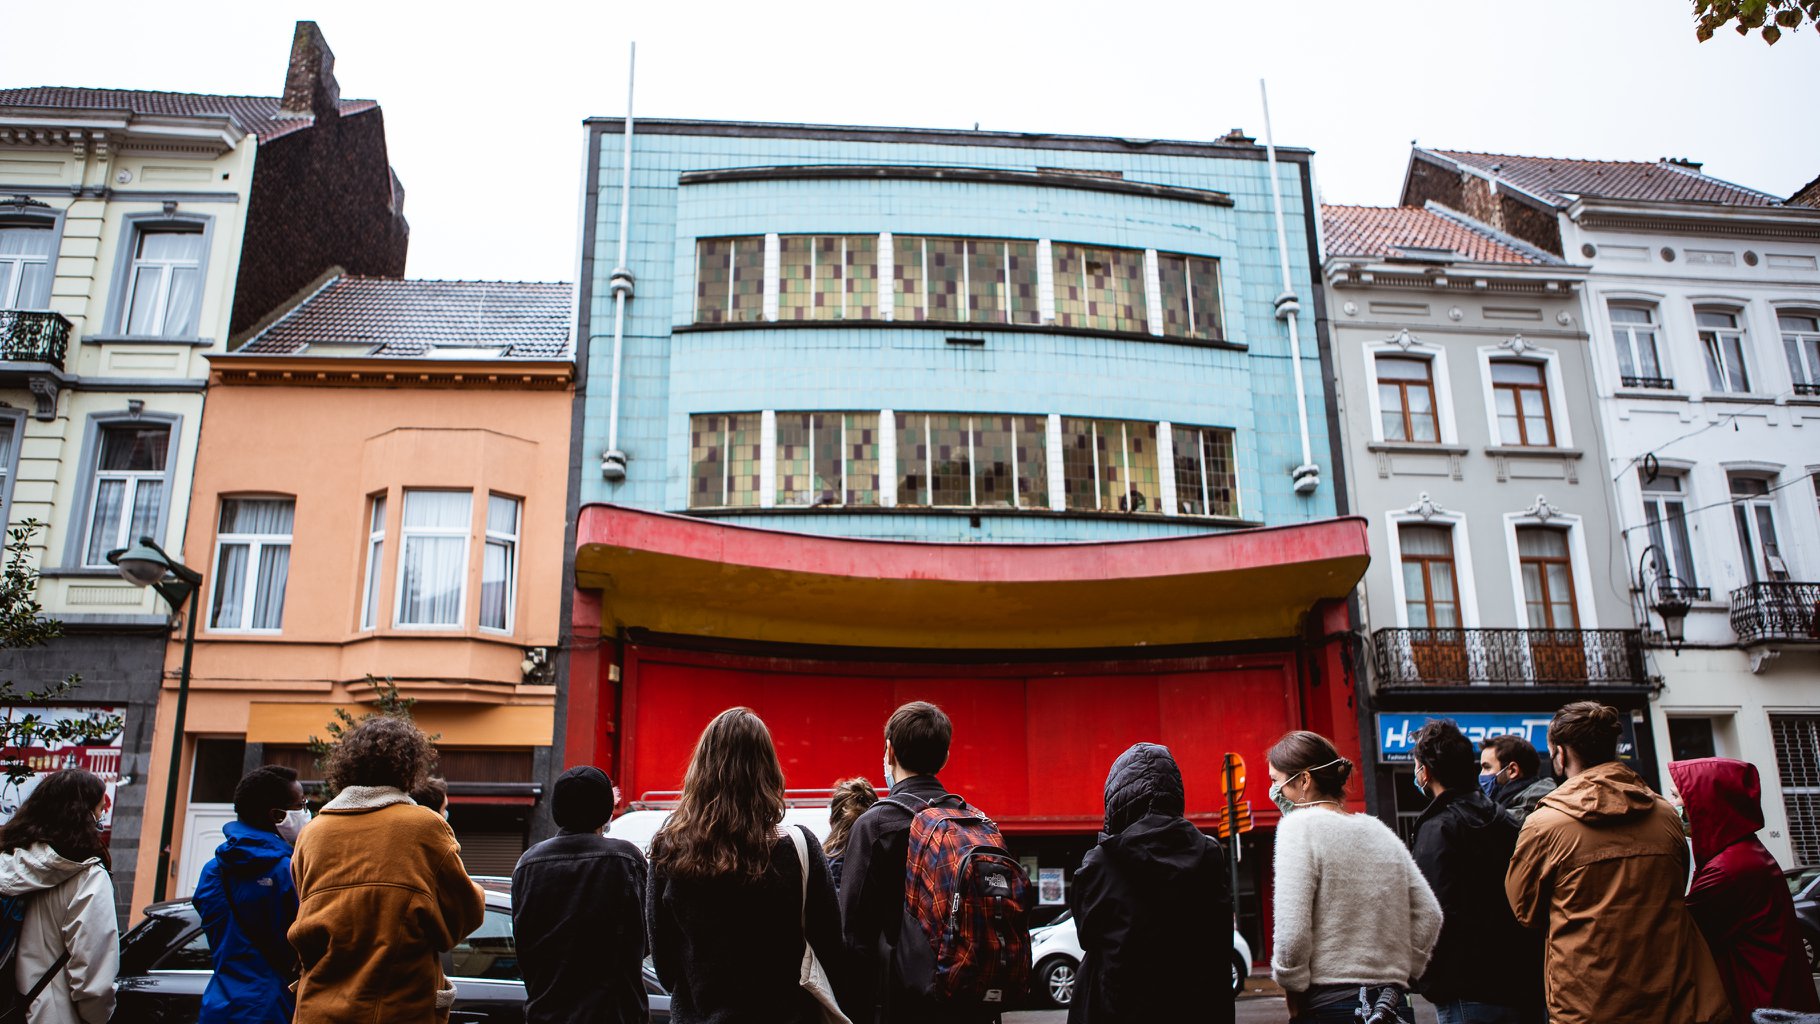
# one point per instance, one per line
(1002, 282)
(1098, 288)
(1191, 296)
(860, 445)
(729, 280)
(1206, 481)
(724, 454)
(934, 459)
(1011, 465)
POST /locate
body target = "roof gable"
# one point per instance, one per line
(1418, 233)
(259, 115)
(1559, 180)
(376, 316)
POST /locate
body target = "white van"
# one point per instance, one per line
(808, 807)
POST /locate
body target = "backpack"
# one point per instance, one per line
(966, 933)
(13, 1003)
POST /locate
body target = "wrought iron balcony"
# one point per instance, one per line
(1661, 383)
(1509, 657)
(1777, 612)
(34, 337)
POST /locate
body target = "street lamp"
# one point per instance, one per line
(145, 564)
(1666, 595)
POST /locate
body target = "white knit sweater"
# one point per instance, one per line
(1351, 906)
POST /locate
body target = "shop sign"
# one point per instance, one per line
(1397, 729)
(54, 738)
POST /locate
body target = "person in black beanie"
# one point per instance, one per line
(578, 912)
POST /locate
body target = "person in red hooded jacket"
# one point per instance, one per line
(1738, 895)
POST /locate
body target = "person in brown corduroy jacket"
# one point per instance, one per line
(382, 889)
(1601, 866)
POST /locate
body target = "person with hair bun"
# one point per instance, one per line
(850, 800)
(1352, 909)
(1601, 865)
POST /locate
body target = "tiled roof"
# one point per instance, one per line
(1558, 181)
(524, 320)
(1807, 195)
(1388, 232)
(257, 114)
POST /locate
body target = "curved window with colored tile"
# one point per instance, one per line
(827, 459)
(724, 460)
(730, 280)
(1099, 288)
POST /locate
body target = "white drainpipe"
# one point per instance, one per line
(613, 462)
(1307, 476)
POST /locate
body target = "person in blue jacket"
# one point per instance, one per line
(247, 902)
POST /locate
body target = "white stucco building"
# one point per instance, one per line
(1703, 308)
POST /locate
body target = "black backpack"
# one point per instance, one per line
(13, 1003)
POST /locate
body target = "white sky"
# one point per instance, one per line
(483, 102)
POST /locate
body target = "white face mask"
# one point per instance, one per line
(889, 780)
(292, 824)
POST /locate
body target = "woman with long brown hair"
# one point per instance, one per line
(850, 799)
(729, 908)
(53, 852)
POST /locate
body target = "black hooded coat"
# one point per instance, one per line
(1152, 905)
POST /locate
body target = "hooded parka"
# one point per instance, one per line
(1152, 905)
(1601, 865)
(247, 902)
(1738, 894)
(71, 908)
(1463, 847)
(382, 894)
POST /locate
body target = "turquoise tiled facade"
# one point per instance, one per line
(669, 374)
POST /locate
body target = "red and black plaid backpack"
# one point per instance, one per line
(966, 936)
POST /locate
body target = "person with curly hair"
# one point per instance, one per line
(69, 943)
(735, 897)
(850, 800)
(381, 887)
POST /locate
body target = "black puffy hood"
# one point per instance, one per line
(1143, 781)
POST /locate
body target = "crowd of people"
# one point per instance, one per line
(1528, 896)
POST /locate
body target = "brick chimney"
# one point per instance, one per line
(1683, 162)
(310, 89)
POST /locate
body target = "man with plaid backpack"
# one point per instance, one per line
(934, 911)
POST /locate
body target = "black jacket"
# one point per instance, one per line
(730, 950)
(1463, 847)
(578, 920)
(872, 910)
(1152, 905)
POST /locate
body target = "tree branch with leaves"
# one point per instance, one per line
(1768, 18)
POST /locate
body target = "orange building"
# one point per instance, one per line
(380, 491)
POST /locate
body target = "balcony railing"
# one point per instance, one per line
(1661, 383)
(1509, 657)
(33, 337)
(1810, 388)
(1779, 611)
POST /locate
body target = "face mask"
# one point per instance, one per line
(292, 824)
(1420, 786)
(889, 780)
(1283, 803)
(1686, 825)
(1489, 783)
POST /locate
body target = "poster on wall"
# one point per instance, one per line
(46, 739)
(1049, 891)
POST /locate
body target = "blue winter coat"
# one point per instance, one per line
(247, 987)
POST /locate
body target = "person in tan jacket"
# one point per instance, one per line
(382, 891)
(1602, 864)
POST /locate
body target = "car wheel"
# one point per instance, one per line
(1055, 979)
(1240, 971)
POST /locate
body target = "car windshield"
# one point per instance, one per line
(1801, 881)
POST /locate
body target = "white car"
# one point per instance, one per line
(1055, 949)
(638, 825)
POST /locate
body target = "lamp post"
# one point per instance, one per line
(1666, 595)
(145, 564)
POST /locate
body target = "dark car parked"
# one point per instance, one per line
(1804, 886)
(165, 965)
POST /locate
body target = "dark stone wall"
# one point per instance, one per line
(1471, 195)
(322, 197)
(121, 668)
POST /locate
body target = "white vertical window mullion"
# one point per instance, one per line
(1045, 280)
(1125, 462)
(1165, 468)
(887, 274)
(923, 247)
(814, 282)
(1093, 448)
(773, 271)
(1153, 293)
(845, 450)
(1188, 290)
(1015, 501)
(928, 460)
(966, 295)
(1058, 489)
(1005, 278)
(1200, 451)
(844, 268)
(767, 459)
(726, 460)
(732, 269)
(887, 458)
(973, 469)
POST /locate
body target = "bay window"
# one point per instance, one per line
(252, 564)
(499, 564)
(369, 596)
(433, 557)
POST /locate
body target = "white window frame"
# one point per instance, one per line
(405, 533)
(95, 476)
(1585, 608)
(14, 296)
(1394, 520)
(1626, 336)
(511, 542)
(255, 544)
(1740, 328)
(1557, 391)
(375, 561)
(1756, 570)
(120, 303)
(1437, 371)
(1670, 559)
(1810, 366)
